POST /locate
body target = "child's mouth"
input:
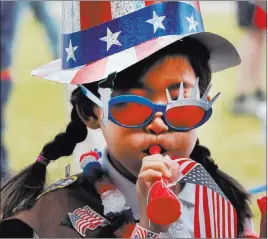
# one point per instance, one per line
(163, 150)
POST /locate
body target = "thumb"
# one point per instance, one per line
(175, 172)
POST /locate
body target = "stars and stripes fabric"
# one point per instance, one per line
(214, 215)
(85, 218)
(128, 31)
(86, 14)
(140, 232)
(193, 172)
(100, 37)
(135, 29)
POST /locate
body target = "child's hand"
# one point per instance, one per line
(153, 168)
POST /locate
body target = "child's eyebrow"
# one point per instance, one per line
(140, 85)
(125, 89)
(176, 86)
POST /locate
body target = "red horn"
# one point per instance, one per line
(163, 206)
(262, 203)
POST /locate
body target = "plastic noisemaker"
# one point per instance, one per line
(262, 203)
(163, 205)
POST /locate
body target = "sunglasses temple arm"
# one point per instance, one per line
(105, 91)
(105, 94)
(91, 96)
(108, 82)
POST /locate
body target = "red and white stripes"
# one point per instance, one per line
(214, 216)
(81, 15)
(140, 232)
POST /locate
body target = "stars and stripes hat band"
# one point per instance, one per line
(109, 36)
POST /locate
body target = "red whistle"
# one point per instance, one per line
(163, 207)
(155, 149)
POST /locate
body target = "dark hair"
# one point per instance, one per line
(21, 191)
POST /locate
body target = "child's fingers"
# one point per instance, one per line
(159, 158)
(175, 172)
(149, 175)
(157, 166)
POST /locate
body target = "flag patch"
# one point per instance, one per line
(85, 218)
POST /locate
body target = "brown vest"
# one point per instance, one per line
(49, 216)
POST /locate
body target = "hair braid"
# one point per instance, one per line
(20, 192)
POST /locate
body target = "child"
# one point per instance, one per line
(141, 115)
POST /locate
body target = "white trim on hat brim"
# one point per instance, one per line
(223, 55)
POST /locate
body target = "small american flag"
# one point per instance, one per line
(139, 232)
(85, 218)
(214, 216)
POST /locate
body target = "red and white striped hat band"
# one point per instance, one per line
(98, 37)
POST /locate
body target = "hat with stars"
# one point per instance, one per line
(101, 37)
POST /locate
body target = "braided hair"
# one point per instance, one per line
(21, 191)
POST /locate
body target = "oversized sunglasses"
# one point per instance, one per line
(132, 111)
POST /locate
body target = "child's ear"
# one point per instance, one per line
(91, 122)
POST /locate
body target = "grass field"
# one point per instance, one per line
(37, 112)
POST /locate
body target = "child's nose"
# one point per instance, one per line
(157, 125)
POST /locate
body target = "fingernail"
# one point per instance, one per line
(166, 157)
(169, 174)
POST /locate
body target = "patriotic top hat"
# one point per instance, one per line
(109, 36)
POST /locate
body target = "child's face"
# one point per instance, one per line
(130, 146)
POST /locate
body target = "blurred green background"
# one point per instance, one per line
(38, 111)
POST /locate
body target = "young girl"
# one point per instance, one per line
(110, 198)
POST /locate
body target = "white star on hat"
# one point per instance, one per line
(157, 21)
(70, 51)
(192, 22)
(111, 39)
